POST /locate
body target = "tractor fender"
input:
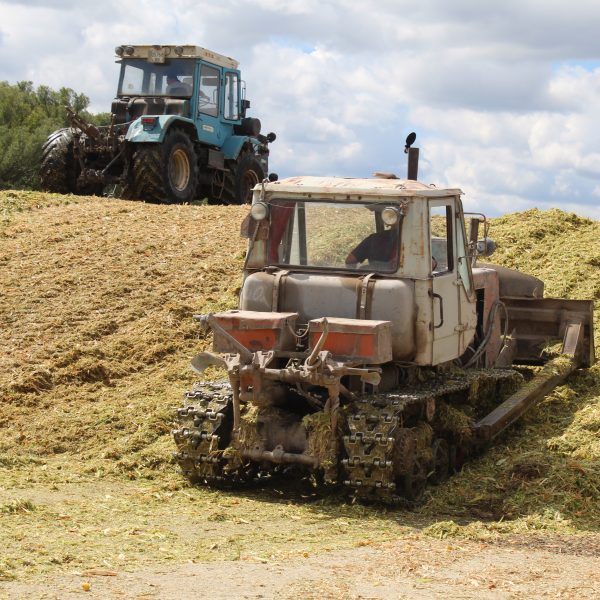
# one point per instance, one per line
(233, 145)
(139, 133)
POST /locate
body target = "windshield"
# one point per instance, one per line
(142, 78)
(332, 235)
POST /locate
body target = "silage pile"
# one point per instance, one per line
(96, 333)
(545, 472)
(96, 299)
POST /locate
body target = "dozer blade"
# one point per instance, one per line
(552, 375)
(206, 359)
(535, 322)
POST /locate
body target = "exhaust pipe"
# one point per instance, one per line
(413, 157)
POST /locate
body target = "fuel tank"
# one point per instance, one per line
(313, 296)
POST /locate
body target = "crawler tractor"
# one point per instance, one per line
(379, 372)
(179, 132)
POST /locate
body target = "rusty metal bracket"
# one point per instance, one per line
(572, 340)
(279, 456)
(312, 359)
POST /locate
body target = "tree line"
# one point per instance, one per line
(27, 116)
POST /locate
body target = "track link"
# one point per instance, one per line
(379, 449)
(203, 433)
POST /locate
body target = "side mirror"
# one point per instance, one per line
(244, 106)
(271, 137)
(486, 246)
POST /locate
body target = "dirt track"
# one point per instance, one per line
(405, 569)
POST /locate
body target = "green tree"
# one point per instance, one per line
(27, 117)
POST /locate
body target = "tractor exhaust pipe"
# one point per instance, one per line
(413, 157)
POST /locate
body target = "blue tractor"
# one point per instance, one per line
(178, 133)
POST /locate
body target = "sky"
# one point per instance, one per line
(504, 96)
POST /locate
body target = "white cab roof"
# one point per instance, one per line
(340, 186)
(184, 51)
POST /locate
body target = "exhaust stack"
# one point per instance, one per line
(413, 157)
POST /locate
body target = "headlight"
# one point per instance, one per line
(389, 215)
(259, 211)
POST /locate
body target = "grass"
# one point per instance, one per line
(95, 339)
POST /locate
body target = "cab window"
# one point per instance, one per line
(464, 266)
(232, 96)
(441, 238)
(208, 95)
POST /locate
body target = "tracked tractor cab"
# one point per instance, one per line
(366, 249)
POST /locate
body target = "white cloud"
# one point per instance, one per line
(504, 97)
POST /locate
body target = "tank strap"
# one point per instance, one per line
(364, 296)
(277, 283)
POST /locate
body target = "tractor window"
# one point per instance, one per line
(141, 78)
(332, 235)
(133, 79)
(440, 227)
(208, 97)
(232, 86)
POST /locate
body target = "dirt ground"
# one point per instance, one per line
(404, 569)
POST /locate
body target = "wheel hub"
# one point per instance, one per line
(179, 170)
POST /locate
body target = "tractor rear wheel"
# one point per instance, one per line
(166, 172)
(248, 174)
(245, 173)
(58, 170)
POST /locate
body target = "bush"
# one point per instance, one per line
(27, 117)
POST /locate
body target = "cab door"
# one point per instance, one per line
(452, 294)
(208, 105)
(444, 292)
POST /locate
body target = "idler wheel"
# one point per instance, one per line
(441, 461)
(414, 482)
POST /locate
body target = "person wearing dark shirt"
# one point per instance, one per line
(379, 249)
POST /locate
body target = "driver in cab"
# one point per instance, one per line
(175, 87)
(379, 249)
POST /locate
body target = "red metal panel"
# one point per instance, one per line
(256, 330)
(356, 340)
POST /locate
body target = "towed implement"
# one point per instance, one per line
(371, 348)
(178, 132)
